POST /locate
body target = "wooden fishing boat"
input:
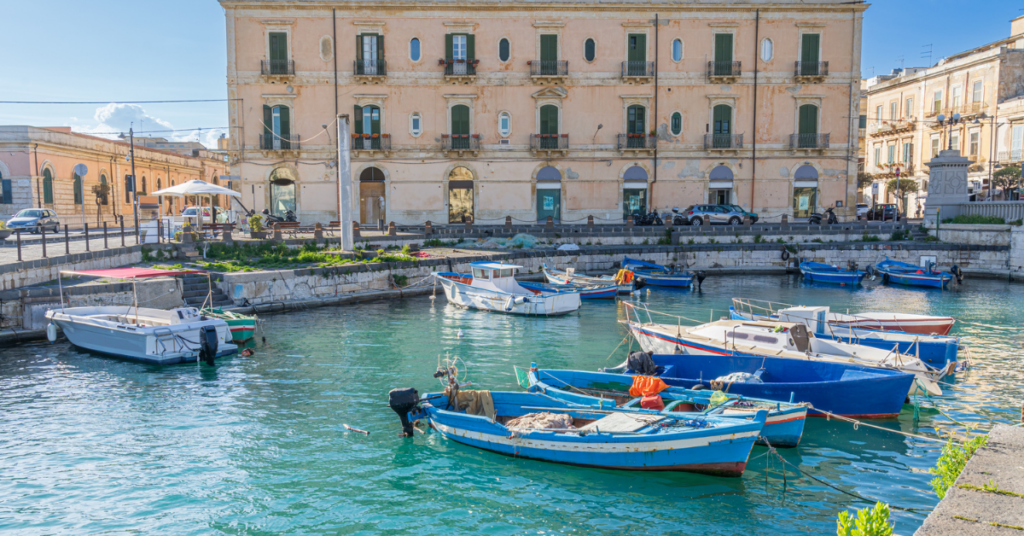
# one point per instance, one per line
(570, 277)
(787, 340)
(587, 292)
(492, 287)
(824, 273)
(242, 326)
(784, 426)
(939, 351)
(903, 273)
(587, 436)
(836, 388)
(657, 275)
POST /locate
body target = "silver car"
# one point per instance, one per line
(717, 214)
(34, 220)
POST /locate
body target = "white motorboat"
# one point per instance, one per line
(775, 339)
(142, 334)
(492, 287)
(903, 322)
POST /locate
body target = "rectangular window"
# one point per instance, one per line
(956, 97)
(908, 152)
(892, 154)
(937, 102)
(909, 112)
(935, 147)
(954, 141)
(723, 48)
(278, 52)
(6, 196)
(979, 90)
(1018, 142)
(975, 142)
(894, 108)
(878, 157)
(863, 122)
(878, 113)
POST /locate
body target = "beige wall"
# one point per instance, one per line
(593, 94)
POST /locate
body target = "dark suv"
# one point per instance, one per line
(883, 212)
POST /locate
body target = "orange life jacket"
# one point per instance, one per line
(647, 386)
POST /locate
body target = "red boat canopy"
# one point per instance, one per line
(132, 273)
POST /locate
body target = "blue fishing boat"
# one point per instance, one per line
(903, 273)
(536, 426)
(587, 292)
(828, 387)
(824, 273)
(657, 275)
(623, 280)
(783, 428)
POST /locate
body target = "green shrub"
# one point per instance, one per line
(976, 220)
(869, 522)
(401, 280)
(870, 238)
(953, 460)
(1018, 222)
(758, 239)
(256, 223)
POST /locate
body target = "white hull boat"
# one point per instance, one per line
(492, 287)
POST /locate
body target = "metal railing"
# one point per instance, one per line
(460, 142)
(724, 68)
(277, 67)
(274, 142)
(549, 142)
(811, 68)
(1011, 156)
(723, 141)
(637, 141)
(378, 142)
(809, 141)
(370, 68)
(638, 69)
(459, 67)
(549, 68)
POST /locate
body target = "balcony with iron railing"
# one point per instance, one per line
(459, 70)
(723, 142)
(1011, 157)
(721, 71)
(637, 71)
(892, 126)
(548, 70)
(807, 71)
(966, 110)
(549, 144)
(370, 70)
(809, 141)
(460, 144)
(637, 143)
(371, 143)
(273, 142)
(277, 67)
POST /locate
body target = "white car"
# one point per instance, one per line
(191, 215)
(862, 210)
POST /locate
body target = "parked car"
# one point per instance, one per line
(883, 212)
(34, 220)
(717, 214)
(191, 215)
(862, 210)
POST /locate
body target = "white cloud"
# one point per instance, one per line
(117, 118)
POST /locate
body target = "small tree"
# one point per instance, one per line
(905, 186)
(1007, 177)
(864, 180)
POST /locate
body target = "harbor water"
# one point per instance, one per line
(256, 445)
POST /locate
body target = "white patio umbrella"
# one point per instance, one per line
(197, 188)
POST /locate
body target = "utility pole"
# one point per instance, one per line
(135, 185)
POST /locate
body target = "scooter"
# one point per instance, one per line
(816, 218)
(677, 218)
(271, 219)
(651, 218)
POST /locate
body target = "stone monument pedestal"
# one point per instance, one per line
(947, 186)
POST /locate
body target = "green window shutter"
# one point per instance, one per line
(278, 46)
(358, 114)
(635, 119)
(380, 47)
(811, 43)
(723, 119)
(78, 189)
(460, 120)
(723, 47)
(808, 119)
(359, 48)
(470, 48)
(47, 187)
(374, 120)
(548, 48)
(286, 130)
(448, 47)
(549, 119)
(7, 195)
(268, 122)
(637, 47)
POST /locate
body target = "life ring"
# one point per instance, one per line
(785, 254)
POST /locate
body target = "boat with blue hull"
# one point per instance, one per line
(586, 436)
(903, 273)
(657, 275)
(623, 281)
(784, 426)
(828, 388)
(587, 292)
(939, 351)
(492, 287)
(825, 273)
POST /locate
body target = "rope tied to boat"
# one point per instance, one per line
(829, 415)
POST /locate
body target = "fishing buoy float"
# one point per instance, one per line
(459, 334)
(51, 332)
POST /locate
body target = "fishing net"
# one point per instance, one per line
(542, 421)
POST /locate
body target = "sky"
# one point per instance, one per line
(112, 51)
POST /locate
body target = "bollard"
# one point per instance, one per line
(549, 225)
(18, 234)
(85, 228)
(508, 224)
(669, 222)
(105, 246)
(629, 222)
(707, 221)
(428, 229)
(122, 230)
(746, 221)
(355, 229)
(42, 231)
(277, 233)
(469, 225)
(67, 241)
(391, 229)
(590, 223)
(785, 222)
(318, 233)
(159, 230)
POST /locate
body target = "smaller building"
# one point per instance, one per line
(37, 169)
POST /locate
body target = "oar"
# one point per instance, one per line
(347, 427)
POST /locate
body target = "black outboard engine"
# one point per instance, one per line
(852, 265)
(956, 272)
(402, 401)
(639, 282)
(700, 276)
(209, 341)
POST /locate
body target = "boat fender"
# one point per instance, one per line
(701, 276)
(51, 332)
(402, 401)
(698, 387)
(209, 342)
(785, 254)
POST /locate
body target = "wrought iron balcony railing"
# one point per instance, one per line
(274, 142)
(723, 141)
(638, 69)
(460, 142)
(459, 67)
(637, 142)
(277, 67)
(370, 68)
(809, 141)
(372, 142)
(549, 142)
(811, 69)
(724, 69)
(549, 68)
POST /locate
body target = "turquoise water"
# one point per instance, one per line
(256, 445)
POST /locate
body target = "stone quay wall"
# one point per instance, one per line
(23, 274)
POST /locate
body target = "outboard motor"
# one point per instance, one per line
(700, 276)
(209, 341)
(800, 338)
(956, 272)
(639, 282)
(852, 265)
(402, 401)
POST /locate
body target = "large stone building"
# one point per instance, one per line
(983, 85)
(483, 108)
(37, 169)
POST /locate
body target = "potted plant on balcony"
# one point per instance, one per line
(375, 135)
(256, 227)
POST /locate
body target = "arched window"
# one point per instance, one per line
(549, 194)
(805, 191)
(460, 195)
(549, 173)
(78, 188)
(722, 127)
(677, 124)
(276, 128)
(720, 186)
(282, 191)
(105, 198)
(634, 191)
(415, 124)
(677, 50)
(371, 174)
(143, 190)
(504, 124)
(808, 127)
(767, 49)
(589, 50)
(504, 49)
(159, 200)
(414, 49)
(47, 186)
(720, 173)
(6, 194)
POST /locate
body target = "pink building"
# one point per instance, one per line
(482, 109)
